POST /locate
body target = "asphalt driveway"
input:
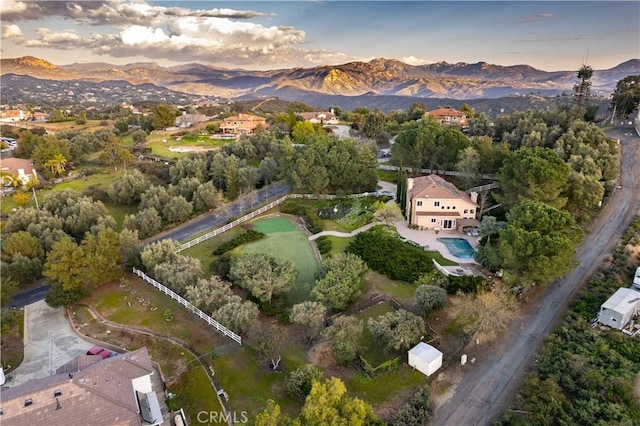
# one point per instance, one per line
(49, 343)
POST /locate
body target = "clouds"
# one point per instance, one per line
(11, 31)
(412, 60)
(120, 28)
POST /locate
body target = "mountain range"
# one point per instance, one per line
(378, 77)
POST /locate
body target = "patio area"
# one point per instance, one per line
(429, 240)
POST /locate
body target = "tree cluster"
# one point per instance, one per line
(398, 330)
(328, 165)
(341, 281)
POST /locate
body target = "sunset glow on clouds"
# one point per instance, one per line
(284, 34)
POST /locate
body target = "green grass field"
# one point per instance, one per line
(284, 240)
(160, 148)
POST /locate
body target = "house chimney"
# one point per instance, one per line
(409, 184)
(474, 197)
(332, 111)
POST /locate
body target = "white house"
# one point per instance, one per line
(618, 310)
(425, 358)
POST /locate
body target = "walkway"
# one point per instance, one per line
(343, 234)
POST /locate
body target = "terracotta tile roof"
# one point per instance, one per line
(446, 112)
(99, 394)
(433, 186)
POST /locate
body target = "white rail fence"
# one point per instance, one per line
(181, 300)
(263, 209)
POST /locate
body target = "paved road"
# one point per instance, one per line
(27, 297)
(489, 387)
(239, 207)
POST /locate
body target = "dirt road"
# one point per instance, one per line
(490, 386)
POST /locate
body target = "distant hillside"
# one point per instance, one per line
(378, 77)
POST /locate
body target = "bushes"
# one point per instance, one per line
(388, 255)
(248, 237)
(417, 411)
(466, 284)
(324, 245)
(314, 223)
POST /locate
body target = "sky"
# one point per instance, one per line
(548, 35)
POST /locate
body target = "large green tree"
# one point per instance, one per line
(344, 333)
(626, 97)
(538, 243)
(263, 275)
(127, 189)
(397, 330)
(164, 116)
(537, 174)
(341, 282)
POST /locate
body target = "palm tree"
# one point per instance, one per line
(57, 164)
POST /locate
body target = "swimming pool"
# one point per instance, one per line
(458, 247)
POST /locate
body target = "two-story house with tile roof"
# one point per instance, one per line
(434, 203)
(243, 124)
(448, 116)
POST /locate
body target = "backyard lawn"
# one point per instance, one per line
(285, 240)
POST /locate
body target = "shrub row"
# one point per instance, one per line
(250, 236)
(324, 245)
(388, 255)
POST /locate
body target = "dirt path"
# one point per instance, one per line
(489, 386)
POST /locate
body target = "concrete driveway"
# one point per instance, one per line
(49, 343)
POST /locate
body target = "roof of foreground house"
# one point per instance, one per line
(433, 186)
(82, 391)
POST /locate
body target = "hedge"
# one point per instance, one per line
(248, 237)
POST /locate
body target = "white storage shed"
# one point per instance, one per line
(425, 358)
(618, 310)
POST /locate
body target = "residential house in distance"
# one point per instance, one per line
(320, 117)
(19, 167)
(434, 203)
(243, 124)
(448, 116)
(12, 115)
(188, 120)
(88, 390)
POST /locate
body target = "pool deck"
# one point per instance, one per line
(428, 239)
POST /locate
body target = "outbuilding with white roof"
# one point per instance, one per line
(618, 310)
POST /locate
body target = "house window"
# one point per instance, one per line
(471, 211)
(448, 207)
(419, 203)
(433, 220)
(442, 207)
(436, 203)
(453, 208)
(466, 210)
